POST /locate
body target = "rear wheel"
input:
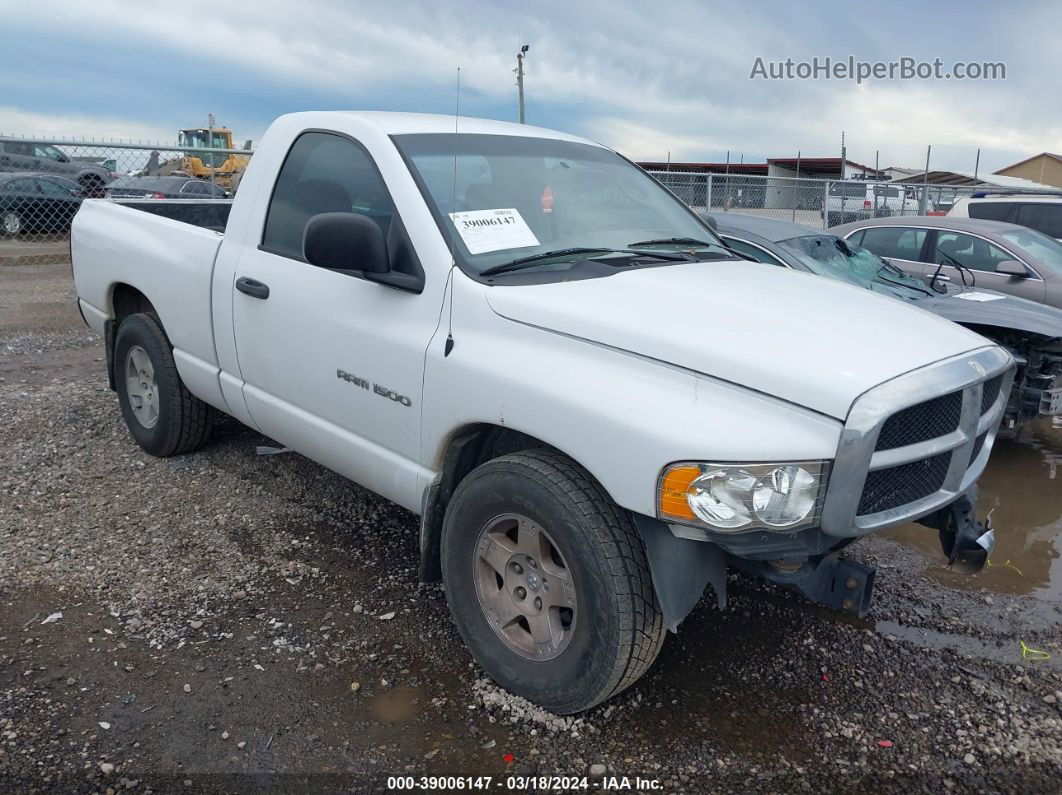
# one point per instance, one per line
(10, 223)
(548, 582)
(162, 415)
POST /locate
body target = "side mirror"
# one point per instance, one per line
(1012, 268)
(345, 242)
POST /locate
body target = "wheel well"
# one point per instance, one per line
(127, 300)
(467, 449)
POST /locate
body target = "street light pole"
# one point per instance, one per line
(520, 77)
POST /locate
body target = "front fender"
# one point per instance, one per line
(622, 417)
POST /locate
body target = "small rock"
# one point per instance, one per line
(387, 616)
(241, 745)
(240, 595)
(597, 770)
(355, 687)
(106, 768)
(357, 609)
(432, 753)
(197, 624)
(71, 681)
(224, 735)
(104, 724)
(1049, 699)
(970, 759)
(187, 688)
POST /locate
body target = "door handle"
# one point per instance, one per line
(942, 278)
(252, 287)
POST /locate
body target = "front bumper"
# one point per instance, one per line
(807, 561)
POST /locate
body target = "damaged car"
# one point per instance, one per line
(1031, 331)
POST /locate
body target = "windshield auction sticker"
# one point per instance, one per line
(483, 231)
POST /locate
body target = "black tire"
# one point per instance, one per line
(618, 629)
(184, 421)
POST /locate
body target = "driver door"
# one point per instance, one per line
(332, 364)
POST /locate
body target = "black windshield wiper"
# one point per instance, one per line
(676, 241)
(523, 262)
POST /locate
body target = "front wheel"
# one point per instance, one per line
(548, 582)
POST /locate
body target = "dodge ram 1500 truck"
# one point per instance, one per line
(521, 337)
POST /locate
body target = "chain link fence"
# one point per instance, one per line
(44, 181)
(818, 203)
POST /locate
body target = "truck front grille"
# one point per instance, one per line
(921, 422)
(896, 486)
(915, 443)
(924, 426)
(979, 442)
(990, 393)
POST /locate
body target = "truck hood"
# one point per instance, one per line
(807, 340)
(1000, 310)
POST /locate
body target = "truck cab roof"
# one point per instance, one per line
(399, 123)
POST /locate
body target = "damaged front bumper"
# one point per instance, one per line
(808, 563)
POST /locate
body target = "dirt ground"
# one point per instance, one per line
(233, 622)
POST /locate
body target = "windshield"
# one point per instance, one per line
(506, 197)
(827, 255)
(1045, 250)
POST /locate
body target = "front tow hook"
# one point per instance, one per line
(967, 543)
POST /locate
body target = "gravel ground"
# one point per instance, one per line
(227, 621)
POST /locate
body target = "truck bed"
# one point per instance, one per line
(165, 250)
(210, 214)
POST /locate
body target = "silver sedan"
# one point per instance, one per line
(1005, 257)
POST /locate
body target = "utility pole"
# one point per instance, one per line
(210, 143)
(520, 76)
(977, 164)
(923, 205)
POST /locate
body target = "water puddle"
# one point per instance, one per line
(1009, 652)
(1022, 486)
(400, 703)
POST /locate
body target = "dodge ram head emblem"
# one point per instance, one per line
(977, 367)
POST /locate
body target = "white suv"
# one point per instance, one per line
(1042, 212)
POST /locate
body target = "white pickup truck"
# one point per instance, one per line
(521, 337)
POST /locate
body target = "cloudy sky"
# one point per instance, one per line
(645, 78)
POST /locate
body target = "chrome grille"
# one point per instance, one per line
(915, 443)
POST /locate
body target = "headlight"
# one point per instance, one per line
(735, 497)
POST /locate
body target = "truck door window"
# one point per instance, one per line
(971, 252)
(894, 241)
(323, 173)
